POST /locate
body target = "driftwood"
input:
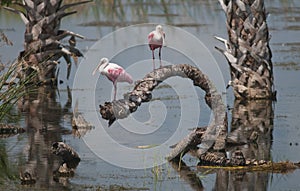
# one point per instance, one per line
(70, 159)
(247, 49)
(7, 130)
(215, 133)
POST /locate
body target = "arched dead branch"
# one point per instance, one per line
(215, 133)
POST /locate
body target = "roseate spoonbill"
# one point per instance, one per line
(113, 72)
(156, 39)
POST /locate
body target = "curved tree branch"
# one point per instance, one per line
(216, 131)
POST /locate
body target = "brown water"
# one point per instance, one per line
(49, 120)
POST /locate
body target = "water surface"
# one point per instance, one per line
(49, 120)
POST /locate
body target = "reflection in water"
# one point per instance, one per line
(6, 169)
(249, 117)
(235, 181)
(79, 125)
(42, 119)
(187, 175)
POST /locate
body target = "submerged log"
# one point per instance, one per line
(219, 159)
(215, 133)
(238, 163)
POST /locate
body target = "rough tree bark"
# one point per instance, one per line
(247, 49)
(216, 131)
(43, 47)
(249, 57)
(252, 122)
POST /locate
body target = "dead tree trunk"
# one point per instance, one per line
(43, 47)
(247, 49)
(215, 133)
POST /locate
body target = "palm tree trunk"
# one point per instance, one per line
(247, 49)
(43, 47)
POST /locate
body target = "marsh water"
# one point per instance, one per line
(47, 115)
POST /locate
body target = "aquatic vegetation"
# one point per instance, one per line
(11, 90)
(255, 119)
(7, 171)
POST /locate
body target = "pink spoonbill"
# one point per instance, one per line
(156, 39)
(113, 72)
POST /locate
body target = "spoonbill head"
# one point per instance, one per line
(156, 39)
